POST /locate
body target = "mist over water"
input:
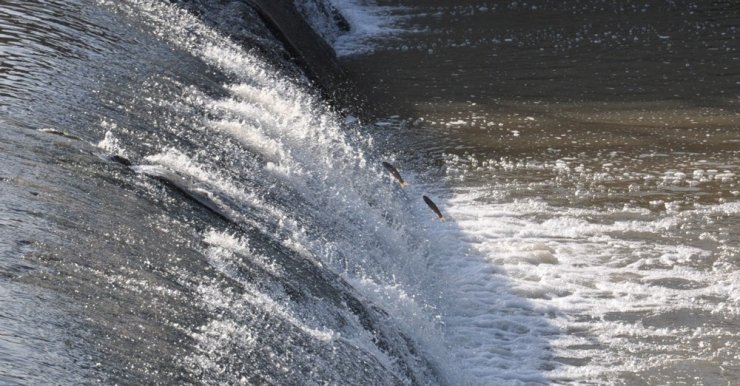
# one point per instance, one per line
(179, 204)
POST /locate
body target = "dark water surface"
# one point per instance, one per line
(160, 188)
(179, 205)
(614, 74)
(592, 152)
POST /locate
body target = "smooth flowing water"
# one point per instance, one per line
(179, 203)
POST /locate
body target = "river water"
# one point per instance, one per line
(588, 152)
(179, 204)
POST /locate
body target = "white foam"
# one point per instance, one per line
(289, 231)
(110, 143)
(323, 164)
(228, 249)
(576, 273)
(368, 21)
(491, 296)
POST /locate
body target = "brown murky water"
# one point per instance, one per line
(585, 155)
(618, 73)
(591, 151)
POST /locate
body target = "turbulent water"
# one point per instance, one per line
(590, 152)
(179, 204)
(176, 209)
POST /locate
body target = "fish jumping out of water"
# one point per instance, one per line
(434, 207)
(394, 172)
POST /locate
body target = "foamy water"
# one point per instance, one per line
(354, 219)
(368, 21)
(268, 244)
(599, 287)
(596, 196)
(431, 278)
(624, 295)
(508, 291)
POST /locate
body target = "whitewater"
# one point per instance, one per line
(383, 241)
(210, 217)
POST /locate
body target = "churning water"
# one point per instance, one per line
(590, 158)
(180, 205)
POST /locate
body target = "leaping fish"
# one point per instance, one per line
(394, 172)
(434, 207)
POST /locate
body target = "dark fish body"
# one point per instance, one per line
(434, 207)
(394, 172)
(120, 159)
(200, 196)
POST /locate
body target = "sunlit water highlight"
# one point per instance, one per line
(582, 161)
(257, 239)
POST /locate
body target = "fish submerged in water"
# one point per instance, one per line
(394, 172)
(60, 133)
(434, 207)
(120, 159)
